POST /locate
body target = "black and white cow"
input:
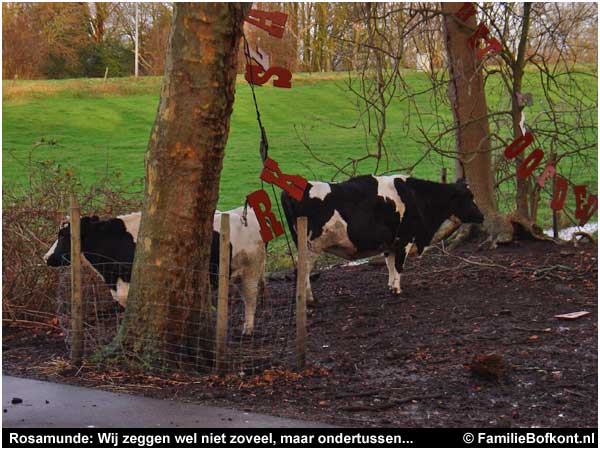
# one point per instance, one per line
(109, 246)
(368, 215)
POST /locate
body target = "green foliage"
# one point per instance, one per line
(93, 61)
(56, 67)
(111, 54)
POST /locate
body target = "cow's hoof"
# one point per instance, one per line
(247, 333)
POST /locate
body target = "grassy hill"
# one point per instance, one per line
(100, 127)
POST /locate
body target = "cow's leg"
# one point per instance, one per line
(389, 261)
(262, 287)
(311, 258)
(400, 257)
(250, 285)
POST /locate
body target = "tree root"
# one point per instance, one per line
(498, 229)
(584, 236)
(525, 230)
(467, 232)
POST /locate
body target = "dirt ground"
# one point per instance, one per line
(418, 360)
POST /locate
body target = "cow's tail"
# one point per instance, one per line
(289, 209)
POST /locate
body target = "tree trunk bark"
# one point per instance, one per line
(168, 319)
(467, 96)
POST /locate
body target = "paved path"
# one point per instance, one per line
(60, 405)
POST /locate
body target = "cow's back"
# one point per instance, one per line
(248, 248)
(369, 209)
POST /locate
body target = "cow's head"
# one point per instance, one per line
(60, 252)
(106, 244)
(463, 206)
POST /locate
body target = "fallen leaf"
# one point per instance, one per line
(573, 315)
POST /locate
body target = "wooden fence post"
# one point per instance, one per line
(301, 293)
(222, 305)
(76, 298)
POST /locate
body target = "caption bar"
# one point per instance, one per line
(293, 438)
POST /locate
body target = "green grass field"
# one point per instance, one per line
(100, 127)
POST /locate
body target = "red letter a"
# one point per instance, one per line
(292, 184)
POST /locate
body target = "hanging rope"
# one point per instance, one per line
(264, 151)
(264, 143)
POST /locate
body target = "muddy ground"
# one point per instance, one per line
(418, 360)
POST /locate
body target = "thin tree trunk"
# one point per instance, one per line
(307, 21)
(294, 12)
(168, 318)
(522, 193)
(467, 96)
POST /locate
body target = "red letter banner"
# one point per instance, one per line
(560, 193)
(530, 163)
(292, 184)
(493, 46)
(259, 19)
(253, 75)
(255, 200)
(481, 32)
(466, 11)
(518, 145)
(584, 212)
(549, 172)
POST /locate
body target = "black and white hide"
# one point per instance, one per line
(368, 215)
(109, 247)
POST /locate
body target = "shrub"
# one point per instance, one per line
(30, 221)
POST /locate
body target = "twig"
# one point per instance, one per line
(390, 404)
(548, 269)
(373, 392)
(468, 261)
(30, 322)
(533, 330)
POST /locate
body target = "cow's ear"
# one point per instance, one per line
(113, 226)
(462, 186)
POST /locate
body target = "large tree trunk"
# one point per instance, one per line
(168, 318)
(467, 96)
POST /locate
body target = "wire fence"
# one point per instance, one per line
(353, 302)
(271, 341)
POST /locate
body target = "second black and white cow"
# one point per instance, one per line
(109, 246)
(369, 215)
